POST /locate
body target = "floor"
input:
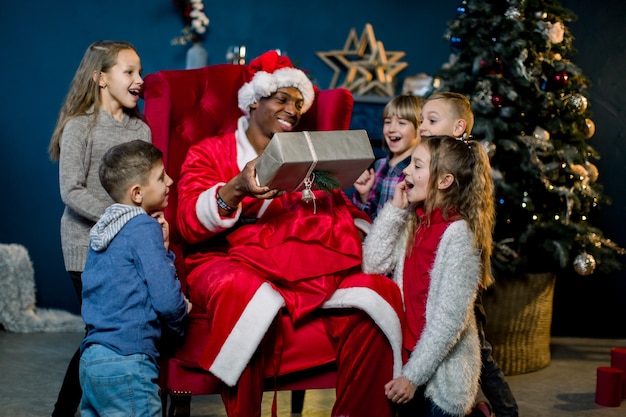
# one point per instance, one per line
(32, 368)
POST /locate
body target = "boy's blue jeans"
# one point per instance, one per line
(115, 385)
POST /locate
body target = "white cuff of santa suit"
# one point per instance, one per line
(208, 212)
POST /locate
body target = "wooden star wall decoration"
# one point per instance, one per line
(368, 67)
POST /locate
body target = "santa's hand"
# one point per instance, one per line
(246, 183)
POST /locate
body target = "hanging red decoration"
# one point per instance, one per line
(560, 79)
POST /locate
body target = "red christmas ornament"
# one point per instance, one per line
(496, 101)
(494, 68)
(560, 79)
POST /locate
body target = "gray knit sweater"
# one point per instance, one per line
(85, 200)
(446, 357)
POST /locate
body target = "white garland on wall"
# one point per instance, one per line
(196, 21)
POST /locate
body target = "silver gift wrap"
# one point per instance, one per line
(291, 156)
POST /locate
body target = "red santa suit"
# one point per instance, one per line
(278, 256)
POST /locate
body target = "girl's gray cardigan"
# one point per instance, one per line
(446, 357)
(82, 148)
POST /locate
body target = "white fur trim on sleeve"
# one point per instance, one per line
(208, 214)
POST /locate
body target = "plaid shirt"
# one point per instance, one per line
(384, 185)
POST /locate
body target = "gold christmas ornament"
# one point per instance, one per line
(592, 171)
(589, 128)
(579, 171)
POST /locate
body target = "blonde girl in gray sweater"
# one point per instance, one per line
(99, 112)
(434, 239)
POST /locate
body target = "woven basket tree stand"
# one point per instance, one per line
(519, 316)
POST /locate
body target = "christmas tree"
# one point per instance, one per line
(512, 59)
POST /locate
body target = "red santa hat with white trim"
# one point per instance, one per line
(270, 72)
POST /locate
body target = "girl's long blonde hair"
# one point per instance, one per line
(84, 91)
(471, 195)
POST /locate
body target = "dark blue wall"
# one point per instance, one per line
(43, 42)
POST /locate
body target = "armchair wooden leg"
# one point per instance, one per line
(297, 401)
(180, 404)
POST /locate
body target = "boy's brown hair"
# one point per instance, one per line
(126, 164)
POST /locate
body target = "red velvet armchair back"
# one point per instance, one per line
(184, 106)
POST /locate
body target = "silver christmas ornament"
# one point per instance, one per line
(578, 103)
(584, 264)
(512, 13)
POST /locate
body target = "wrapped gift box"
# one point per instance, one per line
(291, 156)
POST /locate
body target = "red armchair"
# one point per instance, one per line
(181, 107)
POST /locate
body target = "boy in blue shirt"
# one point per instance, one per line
(129, 287)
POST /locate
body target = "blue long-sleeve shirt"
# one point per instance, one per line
(129, 284)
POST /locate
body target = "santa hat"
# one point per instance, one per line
(272, 71)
